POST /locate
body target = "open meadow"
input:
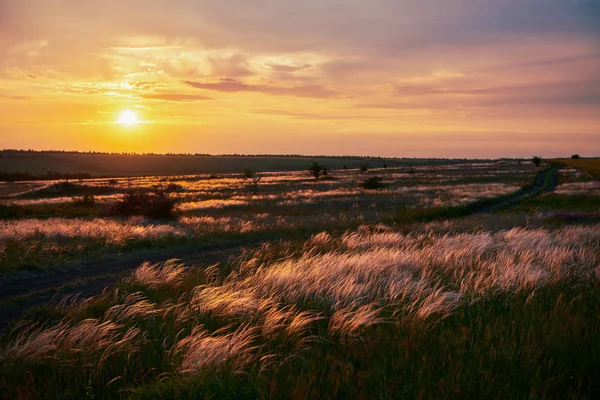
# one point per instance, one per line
(305, 200)
(464, 280)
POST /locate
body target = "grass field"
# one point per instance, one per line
(42, 163)
(347, 292)
(590, 165)
(46, 224)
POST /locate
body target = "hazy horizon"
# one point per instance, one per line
(451, 79)
(315, 155)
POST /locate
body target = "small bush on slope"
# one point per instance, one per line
(157, 204)
(374, 182)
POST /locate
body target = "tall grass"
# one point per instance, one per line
(371, 313)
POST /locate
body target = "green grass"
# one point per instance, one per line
(591, 165)
(534, 339)
(40, 253)
(505, 346)
(539, 341)
(558, 202)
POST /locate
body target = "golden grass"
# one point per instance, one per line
(338, 311)
(591, 165)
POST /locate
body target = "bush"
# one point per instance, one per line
(172, 187)
(575, 157)
(87, 200)
(157, 204)
(315, 168)
(536, 160)
(374, 182)
(10, 211)
(252, 175)
(364, 168)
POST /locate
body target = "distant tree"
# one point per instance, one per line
(536, 160)
(345, 166)
(325, 171)
(575, 157)
(315, 168)
(384, 166)
(364, 168)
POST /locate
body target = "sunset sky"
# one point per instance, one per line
(405, 78)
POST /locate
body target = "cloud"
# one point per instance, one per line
(562, 94)
(416, 90)
(235, 65)
(176, 97)
(142, 85)
(473, 63)
(393, 105)
(3, 96)
(287, 68)
(232, 86)
(316, 116)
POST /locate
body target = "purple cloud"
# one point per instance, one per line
(232, 86)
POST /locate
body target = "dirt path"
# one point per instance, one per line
(545, 182)
(17, 297)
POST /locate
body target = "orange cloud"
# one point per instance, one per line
(232, 85)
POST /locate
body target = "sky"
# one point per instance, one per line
(394, 78)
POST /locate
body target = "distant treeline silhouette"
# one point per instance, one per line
(354, 157)
(25, 176)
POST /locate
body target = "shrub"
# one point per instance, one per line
(63, 187)
(374, 182)
(157, 204)
(315, 168)
(172, 187)
(252, 175)
(10, 211)
(87, 200)
(364, 168)
(575, 157)
(536, 160)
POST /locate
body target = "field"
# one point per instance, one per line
(40, 164)
(592, 166)
(468, 280)
(46, 225)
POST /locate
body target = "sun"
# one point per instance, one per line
(128, 118)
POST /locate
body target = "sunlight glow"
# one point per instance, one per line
(128, 118)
